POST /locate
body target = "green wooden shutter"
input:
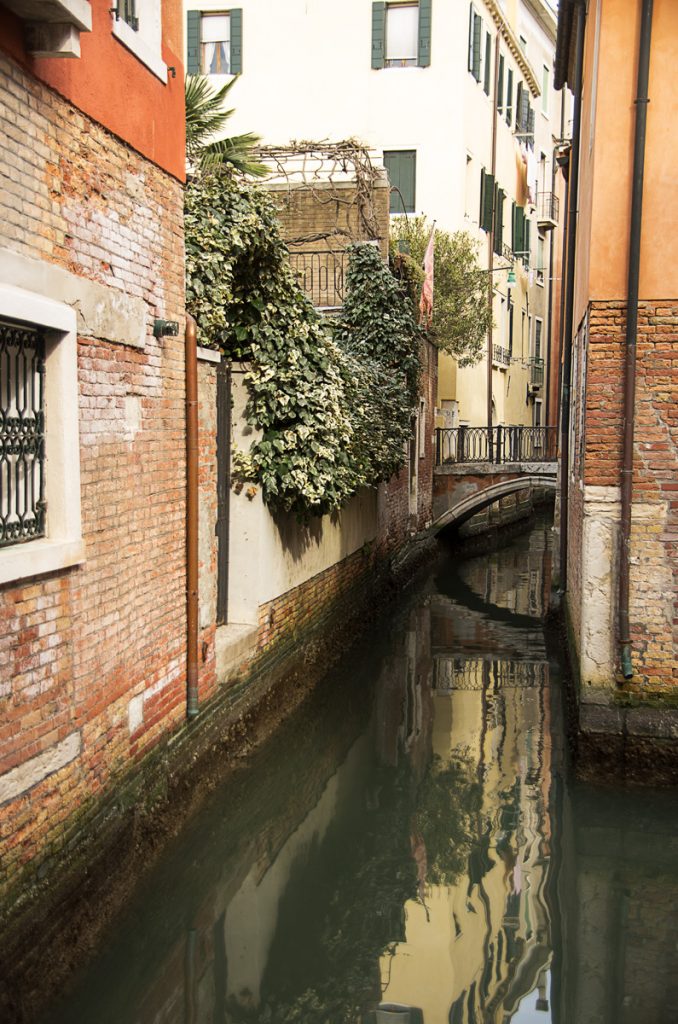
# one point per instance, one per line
(500, 85)
(470, 37)
(530, 126)
(378, 34)
(518, 229)
(424, 49)
(488, 63)
(236, 40)
(402, 172)
(486, 200)
(527, 226)
(193, 43)
(477, 33)
(499, 221)
(518, 108)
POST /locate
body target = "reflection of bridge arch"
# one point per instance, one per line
(464, 504)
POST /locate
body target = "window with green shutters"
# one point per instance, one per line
(487, 78)
(486, 200)
(500, 85)
(401, 165)
(521, 235)
(214, 42)
(524, 113)
(127, 10)
(509, 97)
(475, 31)
(401, 34)
(500, 195)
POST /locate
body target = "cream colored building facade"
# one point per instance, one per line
(417, 82)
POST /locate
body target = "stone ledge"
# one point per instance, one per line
(102, 312)
(497, 469)
(233, 642)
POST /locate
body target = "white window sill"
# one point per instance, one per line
(141, 50)
(21, 561)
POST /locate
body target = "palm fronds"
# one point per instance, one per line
(205, 118)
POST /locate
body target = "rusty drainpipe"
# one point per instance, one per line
(191, 518)
(641, 103)
(490, 239)
(569, 292)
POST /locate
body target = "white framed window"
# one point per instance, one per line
(215, 43)
(540, 259)
(475, 41)
(538, 327)
(62, 544)
(402, 35)
(537, 419)
(545, 87)
(137, 24)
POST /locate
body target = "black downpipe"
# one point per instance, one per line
(641, 103)
(572, 211)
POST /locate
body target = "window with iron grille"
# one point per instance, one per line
(22, 433)
(127, 10)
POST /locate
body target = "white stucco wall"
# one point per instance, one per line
(270, 555)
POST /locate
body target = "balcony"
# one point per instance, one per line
(548, 207)
(497, 445)
(536, 368)
(53, 27)
(321, 275)
(501, 357)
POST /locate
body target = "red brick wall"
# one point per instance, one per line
(654, 535)
(77, 645)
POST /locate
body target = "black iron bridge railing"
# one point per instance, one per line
(499, 444)
(321, 274)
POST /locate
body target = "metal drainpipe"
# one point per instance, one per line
(572, 211)
(191, 518)
(490, 287)
(549, 314)
(641, 103)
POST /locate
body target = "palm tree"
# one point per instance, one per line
(205, 118)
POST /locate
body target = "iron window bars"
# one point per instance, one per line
(22, 433)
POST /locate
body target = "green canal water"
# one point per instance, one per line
(410, 848)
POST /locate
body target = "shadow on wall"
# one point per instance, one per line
(296, 537)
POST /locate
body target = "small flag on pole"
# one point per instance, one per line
(426, 301)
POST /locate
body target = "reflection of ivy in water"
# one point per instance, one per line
(341, 910)
(448, 803)
(344, 905)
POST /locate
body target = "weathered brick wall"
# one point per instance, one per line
(207, 512)
(654, 532)
(335, 211)
(93, 658)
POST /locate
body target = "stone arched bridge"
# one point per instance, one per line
(464, 486)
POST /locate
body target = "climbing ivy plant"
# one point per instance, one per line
(332, 403)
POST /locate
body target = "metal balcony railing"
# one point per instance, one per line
(501, 444)
(501, 356)
(321, 274)
(536, 368)
(548, 208)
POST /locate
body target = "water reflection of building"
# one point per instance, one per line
(618, 893)
(476, 947)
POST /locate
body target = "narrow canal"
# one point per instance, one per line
(408, 847)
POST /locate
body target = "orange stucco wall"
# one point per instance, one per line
(113, 87)
(607, 159)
